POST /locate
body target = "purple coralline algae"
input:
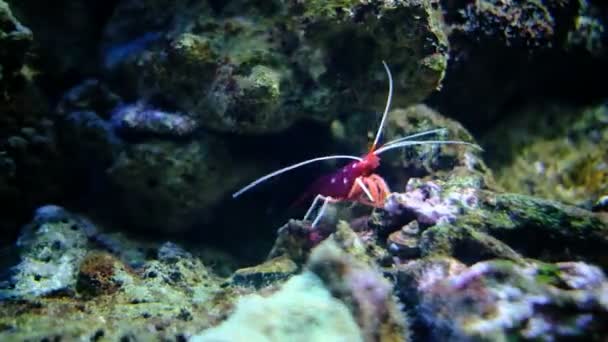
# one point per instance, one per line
(430, 202)
(139, 118)
(501, 300)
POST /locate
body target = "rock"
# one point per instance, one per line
(519, 220)
(170, 252)
(67, 36)
(51, 249)
(139, 119)
(338, 266)
(441, 161)
(415, 25)
(65, 283)
(433, 202)
(466, 244)
(302, 310)
(169, 186)
(558, 153)
(295, 240)
(532, 25)
(15, 40)
(83, 118)
(261, 72)
(497, 300)
(506, 53)
(91, 141)
(459, 214)
(30, 162)
(267, 273)
(528, 23)
(90, 95)
(363, 289)
(101, 274)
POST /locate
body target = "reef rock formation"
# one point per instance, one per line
(260, 72)
(558, 152)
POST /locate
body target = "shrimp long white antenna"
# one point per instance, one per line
(289, 168)
(388, 105)
(425, 142)
(417, 135)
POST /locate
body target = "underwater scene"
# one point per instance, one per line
(304, 170)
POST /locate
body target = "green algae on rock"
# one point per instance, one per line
(296, 240)
(51, 248)
(500, 300)
(408, 34)
(269, 272)
(169, 185)
(569, 24)
(555, 152)
(517, 220)
(67, 288)
(260, 72)
(465, 244)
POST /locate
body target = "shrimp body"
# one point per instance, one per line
(339, 184)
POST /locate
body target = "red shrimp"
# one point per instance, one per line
(357, 178)
(338, 185)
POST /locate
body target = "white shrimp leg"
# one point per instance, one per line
(322, 210)
(312, 206)
(364, 188)
(326, 199)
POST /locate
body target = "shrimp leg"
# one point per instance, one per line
(322, 210)
(325, 199)
(364, 188)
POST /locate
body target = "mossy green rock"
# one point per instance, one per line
(459, 214)
(267, 273)
(555, 152)
(65, 288)
(50, 251)
(247, 68)
(169, 186)
(501, 300)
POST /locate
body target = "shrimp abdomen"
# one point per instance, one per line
(336, 185)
